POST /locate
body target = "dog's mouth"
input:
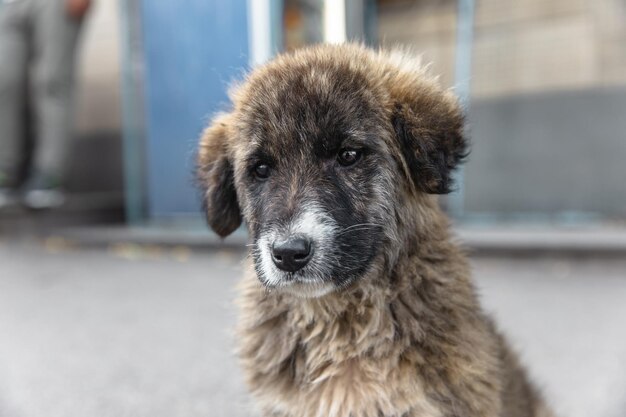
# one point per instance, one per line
(305, 287)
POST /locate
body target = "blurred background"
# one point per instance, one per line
(118, 301)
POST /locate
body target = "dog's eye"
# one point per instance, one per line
(347, 157)
(262, 171)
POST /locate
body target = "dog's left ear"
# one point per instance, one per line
(429, 126)
(216, 178)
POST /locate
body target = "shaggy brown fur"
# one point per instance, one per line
(388, 325)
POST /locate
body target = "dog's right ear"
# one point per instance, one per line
(215, 174)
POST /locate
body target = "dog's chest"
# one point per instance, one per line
(364, 387)
(302, 365)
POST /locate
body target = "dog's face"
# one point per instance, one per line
(314, 179)
(319, 158)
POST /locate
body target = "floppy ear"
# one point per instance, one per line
(429, 128)
(215, 174)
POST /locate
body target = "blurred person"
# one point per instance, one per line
(38, 41)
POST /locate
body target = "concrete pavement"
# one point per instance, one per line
(145, 330)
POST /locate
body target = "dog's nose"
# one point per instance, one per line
(291, 254)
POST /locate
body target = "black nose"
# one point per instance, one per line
(292, 253)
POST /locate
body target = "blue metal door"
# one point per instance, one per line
(193, 50)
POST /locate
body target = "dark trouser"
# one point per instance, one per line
(37, 54)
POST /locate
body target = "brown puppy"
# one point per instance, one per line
(356, 303)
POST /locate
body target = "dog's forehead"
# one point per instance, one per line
(319, 106)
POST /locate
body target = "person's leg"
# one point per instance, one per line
(55, 40)
(56, 36)
(14, 33)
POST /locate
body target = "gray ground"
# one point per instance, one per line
(144, 331)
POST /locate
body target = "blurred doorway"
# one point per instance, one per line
(179, 63)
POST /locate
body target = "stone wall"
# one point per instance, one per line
(519, 46)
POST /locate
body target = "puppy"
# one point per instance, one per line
(356, 303)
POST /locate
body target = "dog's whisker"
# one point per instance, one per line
(359, 227)
(361, 224)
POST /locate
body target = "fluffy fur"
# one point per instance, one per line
(384, 320)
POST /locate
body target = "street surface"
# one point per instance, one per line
(146, 331)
